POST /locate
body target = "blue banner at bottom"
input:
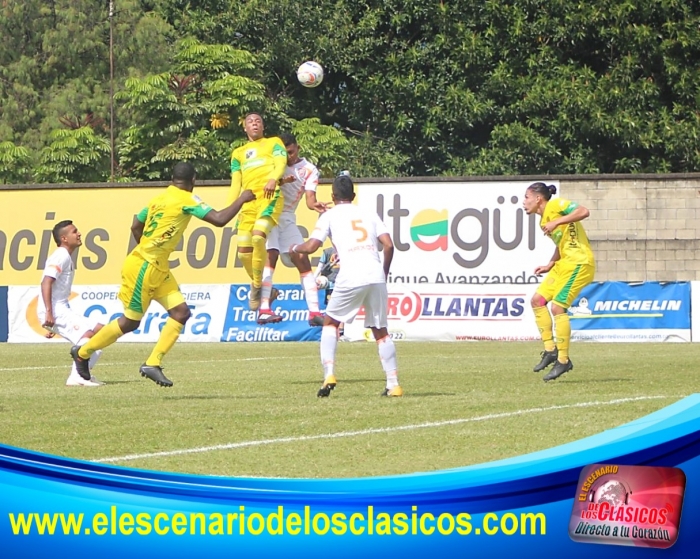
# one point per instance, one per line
(241, 324)
(58, 507)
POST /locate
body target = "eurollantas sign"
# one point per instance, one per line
(456, 313)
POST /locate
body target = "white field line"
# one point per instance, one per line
(378, 430)
(105, 364)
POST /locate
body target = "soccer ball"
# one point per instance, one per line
(310, 74)
(322, 282)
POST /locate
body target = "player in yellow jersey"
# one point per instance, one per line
(571, 268)
(257, 166)
(146, 274)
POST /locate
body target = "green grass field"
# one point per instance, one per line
(464, 404)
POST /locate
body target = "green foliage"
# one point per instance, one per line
(488, 86)
(14, 164)
(411, 87)
(75, 155)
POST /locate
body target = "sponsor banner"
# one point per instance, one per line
(619, 311)
(3, 314)
(695, 310)
(241, 323)
(206, 255)
(207, 303)
(456, 313)
(459, 232)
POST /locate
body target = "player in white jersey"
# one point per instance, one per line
(357, 235)
(300, 179)
(53, 308)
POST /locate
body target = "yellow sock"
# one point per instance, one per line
(563, 326)
(105, 337)
(168, 336)
(246, 259)
(544, 324)
(259, 258)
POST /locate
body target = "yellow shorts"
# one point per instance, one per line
(565, 281)
(261, 214)
(141, 283)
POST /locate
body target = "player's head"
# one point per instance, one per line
(184, 175)
(66, 234)
(254, 126)
(290, 144)
(343, 189)
(536, 197)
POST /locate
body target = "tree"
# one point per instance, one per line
(487, 87)
(74, 155)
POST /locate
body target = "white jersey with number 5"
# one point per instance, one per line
(354, 232)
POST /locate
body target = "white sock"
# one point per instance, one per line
(266, 288)
(329, 342)
(387, 355)
(94, 358)
(308, 282)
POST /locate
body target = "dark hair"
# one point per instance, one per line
(343, 189)
(251, 113)
(58, 230)
(544, 190)
(288, 139)
(184, 172)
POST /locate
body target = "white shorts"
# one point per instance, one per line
(285, 234)
(69, 324)
(346, 303)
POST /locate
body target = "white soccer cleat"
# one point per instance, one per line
(77, 380)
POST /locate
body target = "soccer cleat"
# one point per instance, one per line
(77, 380)
(274, 293)
(315, 319)
(155, 374)
(268, 317)
(83, 365)
(395, 392)
(548, 357)
(558, 370)
(255, 294)
(328, 385)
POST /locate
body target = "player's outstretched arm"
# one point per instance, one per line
(219, 218)
(313, 204)
(309, 247)
(388, 250)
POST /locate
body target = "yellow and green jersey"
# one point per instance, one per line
(570, 238)
(165, 219)
(256, 163)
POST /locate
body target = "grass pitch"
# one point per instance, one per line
(464, 404)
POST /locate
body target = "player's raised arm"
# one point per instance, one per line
(219, 218)
(572, 214)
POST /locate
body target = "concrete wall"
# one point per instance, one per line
(641, 228)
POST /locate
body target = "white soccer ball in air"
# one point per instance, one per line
(322, 282)
(310, 74)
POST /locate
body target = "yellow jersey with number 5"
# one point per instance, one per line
(165, 219)
(570, 238)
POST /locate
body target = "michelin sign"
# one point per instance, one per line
(624, 312)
